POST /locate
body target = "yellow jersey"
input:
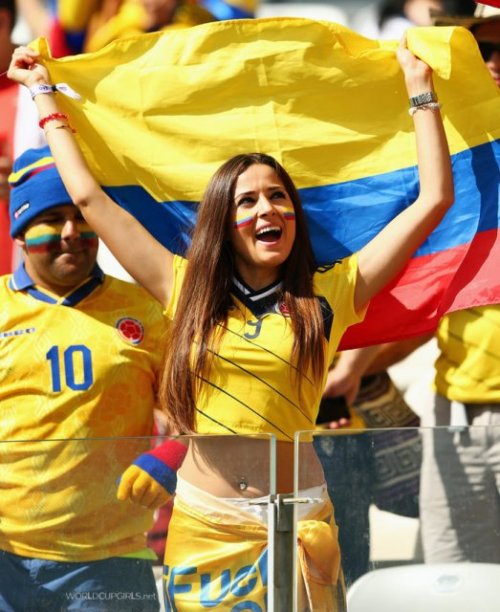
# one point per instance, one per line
(252, 386)
(78, 367)
(468, 366)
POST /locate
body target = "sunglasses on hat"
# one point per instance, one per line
(487, 49)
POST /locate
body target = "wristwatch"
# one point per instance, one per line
(423, 98)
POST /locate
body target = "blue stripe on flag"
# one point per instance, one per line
(344, 217)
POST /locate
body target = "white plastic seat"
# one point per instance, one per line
(453, 587)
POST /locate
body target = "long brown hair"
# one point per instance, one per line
(205, 296)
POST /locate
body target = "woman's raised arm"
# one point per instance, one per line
(144, 258)
(386, 254)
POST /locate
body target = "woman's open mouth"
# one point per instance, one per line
(271, 233)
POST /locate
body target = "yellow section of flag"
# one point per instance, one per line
(164, 110)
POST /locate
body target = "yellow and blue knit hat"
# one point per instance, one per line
(35, 187)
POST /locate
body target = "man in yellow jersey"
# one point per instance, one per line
(78, 365)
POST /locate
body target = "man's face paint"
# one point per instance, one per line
(60, 249)
(46, 237)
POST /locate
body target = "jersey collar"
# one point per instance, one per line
(258, 302)
(22, 281)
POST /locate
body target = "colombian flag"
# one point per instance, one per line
(161, 112)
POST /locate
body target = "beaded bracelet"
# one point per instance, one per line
(430, 106)
(52, 117)
(56, 117)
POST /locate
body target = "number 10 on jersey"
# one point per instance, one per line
(70, 368)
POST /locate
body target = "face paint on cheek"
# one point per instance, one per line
(242, 220)
(43, 238)
(289, 214)
(46, 237)
(88, 236)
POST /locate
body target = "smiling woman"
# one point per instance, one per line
(251, 230)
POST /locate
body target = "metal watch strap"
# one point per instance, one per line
(423, 98)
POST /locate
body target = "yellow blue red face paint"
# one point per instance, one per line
(243, 220)
(45, 237)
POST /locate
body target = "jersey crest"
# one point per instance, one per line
(130, 329)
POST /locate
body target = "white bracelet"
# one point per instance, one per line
(42, 88)
(64, 88)
(430, 106)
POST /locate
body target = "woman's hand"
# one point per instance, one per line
(418, 74)
(25, 69)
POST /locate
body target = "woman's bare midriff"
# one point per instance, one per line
(234, 466)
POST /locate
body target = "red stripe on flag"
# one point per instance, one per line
(429, 287)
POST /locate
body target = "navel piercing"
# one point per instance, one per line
(242, 483)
